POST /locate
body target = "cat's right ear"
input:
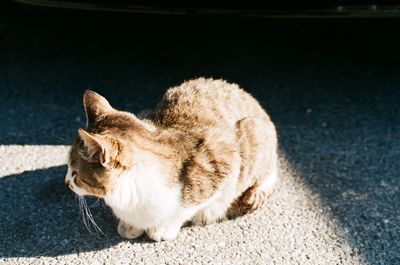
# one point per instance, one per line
(95, 107)
(97, 147)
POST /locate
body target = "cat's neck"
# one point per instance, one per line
(166, 148)
(154, 161)
(158, 146)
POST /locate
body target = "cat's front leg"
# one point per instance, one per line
(128, 231)
(163, 233)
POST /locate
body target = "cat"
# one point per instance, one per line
(206, 153)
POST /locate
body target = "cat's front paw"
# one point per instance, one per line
(161, 233)
(128, 231)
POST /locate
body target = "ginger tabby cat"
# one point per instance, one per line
(207, 152)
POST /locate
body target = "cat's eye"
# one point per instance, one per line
(74, 173)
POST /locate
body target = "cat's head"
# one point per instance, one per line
(97, 156)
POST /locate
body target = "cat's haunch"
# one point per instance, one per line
(207, 152)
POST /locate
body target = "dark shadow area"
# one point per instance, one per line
(40, 217)
(47, 62)
(331, 86)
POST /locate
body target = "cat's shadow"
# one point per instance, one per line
(39, 216)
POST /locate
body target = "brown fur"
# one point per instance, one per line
(202, 130)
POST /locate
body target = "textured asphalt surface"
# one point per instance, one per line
(331, 86)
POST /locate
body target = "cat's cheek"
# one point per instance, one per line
(77, 190)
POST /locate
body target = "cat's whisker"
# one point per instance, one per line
(89, 215)
(83, 213)
(96, 203)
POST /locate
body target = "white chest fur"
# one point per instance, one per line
(142, 198)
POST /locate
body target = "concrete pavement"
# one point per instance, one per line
(335, 105)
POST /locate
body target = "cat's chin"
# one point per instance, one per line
(80, 192)
(70, 183)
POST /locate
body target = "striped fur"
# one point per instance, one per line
(208, 151)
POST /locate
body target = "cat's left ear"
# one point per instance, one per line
(98, 148)
(95, 106)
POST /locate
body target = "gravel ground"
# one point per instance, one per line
(330, 86)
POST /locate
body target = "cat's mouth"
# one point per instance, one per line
(70, 183)
(81, 187)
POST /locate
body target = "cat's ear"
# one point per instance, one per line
(95, 106)
(98, 148)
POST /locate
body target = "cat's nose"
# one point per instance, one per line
(68, 178)
(67, 184)
(68, 181)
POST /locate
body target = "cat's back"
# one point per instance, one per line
(206, 102)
